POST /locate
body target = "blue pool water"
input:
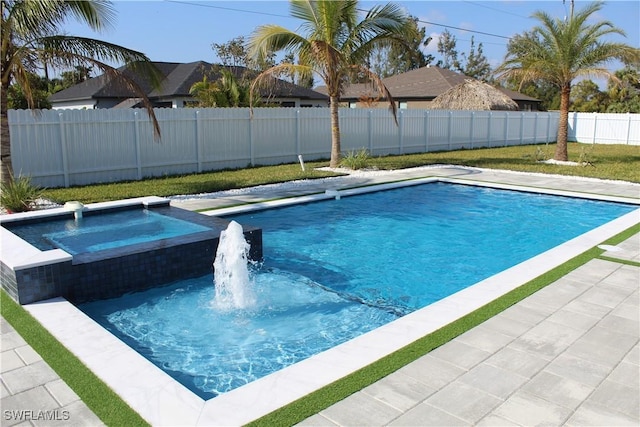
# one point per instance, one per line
(336, 269)
(105, 231)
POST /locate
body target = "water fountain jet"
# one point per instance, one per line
(233, 286)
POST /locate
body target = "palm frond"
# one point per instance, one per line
(268, 77)
(379, 87)
(44, 17)
(272, 38)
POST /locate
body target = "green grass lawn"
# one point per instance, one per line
(618, 162)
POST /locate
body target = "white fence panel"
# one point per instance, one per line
(224, 140)
(604, 128)
(356, 131)
(36, 147)
(77, 147)
(273, 133)
(314, 133)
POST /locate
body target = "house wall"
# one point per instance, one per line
(418, 104)
(79, 147)
(424, 104)
(78, 105)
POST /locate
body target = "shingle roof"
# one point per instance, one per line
(422, 83)
(178, 80)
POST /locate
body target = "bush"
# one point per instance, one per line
(356, 159)
(19, 195)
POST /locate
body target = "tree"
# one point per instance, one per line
(17, 100)
(548, 94)
(476, 63)
(234, 54)
(79, 75)
(396, 58)
(560, 51)
(447, 48)
(335, 46)
(30, 40)
(224, 92)
(624, 97)
(587, 97)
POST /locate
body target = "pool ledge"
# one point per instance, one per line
(162, 401)
(17, 254)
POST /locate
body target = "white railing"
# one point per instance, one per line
(605, 128)
(61, 148)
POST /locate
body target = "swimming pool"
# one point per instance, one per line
(373, 258)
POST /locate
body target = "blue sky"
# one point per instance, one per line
(184, 30)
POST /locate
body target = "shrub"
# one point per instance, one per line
(356, 159)
(19, 194)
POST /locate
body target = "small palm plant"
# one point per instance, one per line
(19, 194)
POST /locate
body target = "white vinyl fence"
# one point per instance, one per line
(61, 148)
(604, 128)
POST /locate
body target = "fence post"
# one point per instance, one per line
(298, 132)
(473, 115)
(400, 132)
(136, 126)
(199, 142)
(450, 131)
(489, 137)
(370, 129)
(521, 128)
(548, 128)
(595, 127)
(506, 130)
(628, 128)
(63, 149)
(426, 131)
(535, 129)
(251, 150)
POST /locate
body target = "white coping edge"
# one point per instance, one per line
(18, 254)
(333, 193)
(163, 401)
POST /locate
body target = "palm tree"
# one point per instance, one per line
(335, 45)
(560, 51)
(30, 42)
(224, 92)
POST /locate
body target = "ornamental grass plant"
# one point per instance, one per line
(19, 195)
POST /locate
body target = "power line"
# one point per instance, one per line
(495, 8)
(226, 8)
(463, 29)
(455, 28)
(209, 5)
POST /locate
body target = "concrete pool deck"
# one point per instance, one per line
(566, 355)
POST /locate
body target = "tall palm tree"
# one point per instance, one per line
(560, 51)
(334, 44)
(30, 41)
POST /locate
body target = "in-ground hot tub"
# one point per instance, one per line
(110, 249)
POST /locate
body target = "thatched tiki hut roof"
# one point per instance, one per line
(473, 95)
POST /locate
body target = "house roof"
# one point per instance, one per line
(420, 84)
(178, 79)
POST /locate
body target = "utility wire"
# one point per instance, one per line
(288, 16)
(479, 4)
(463, 29)
(226, 8)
